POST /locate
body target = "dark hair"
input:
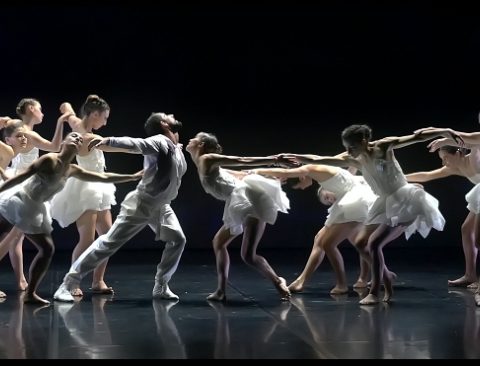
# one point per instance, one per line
(10, 127)
(449, 149)
(24, 104)
(153, 125)
(94, 103)
(356, 133)
(210, 143)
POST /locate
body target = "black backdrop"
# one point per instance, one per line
(264, 78)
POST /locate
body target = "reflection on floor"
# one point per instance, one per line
(426, 320)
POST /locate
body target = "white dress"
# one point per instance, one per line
(254, 195)
(473, 196)
(399, 202)
(354, 198)
(26, 208)
(78, 195)
(22, 161)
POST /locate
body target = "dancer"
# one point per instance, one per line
(349, 198)
(92, 211)
(30, 112)
(456, 161)
(400, 207)
(25, 208)
(250, 202)
(149, 204)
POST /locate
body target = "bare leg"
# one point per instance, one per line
(39, 265)
(104, 223)
(86, 225)
(316, 257)
(220, 243)
(360, 242)
(470, 252)
(254, 230)
(13, 243)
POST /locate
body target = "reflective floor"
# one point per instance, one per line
(426, 319)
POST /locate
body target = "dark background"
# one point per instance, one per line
(264, 78)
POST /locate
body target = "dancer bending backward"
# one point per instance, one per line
(457, 162)
(92, 211)
(26, 208)
(15, 143)
(30, 111)
(400, 207)
(149, 204)
(251, 201)
(349, 198)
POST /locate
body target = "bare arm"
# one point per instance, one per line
(419, 136)
(212, 161)
(27, 173)
(431, 175)
(82, 174)
(344, 160)
(283, 173)
(43, 144)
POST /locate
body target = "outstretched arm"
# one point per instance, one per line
(421, 135)
(342, 160)
(216, 160)
(151, 145)
(27, 173)
(431, 175)
(82, 174)
(283, 173)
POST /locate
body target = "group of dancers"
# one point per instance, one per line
(370, 210)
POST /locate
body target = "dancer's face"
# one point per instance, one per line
(100, 119)
(73, 139)
(193, 145)
(18, 140)
(354, 148)
(327, 198)
(448, 159)
(36, 111)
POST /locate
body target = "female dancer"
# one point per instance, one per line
(25, 208)
(251, 201)
(349, 198)
(92, 212)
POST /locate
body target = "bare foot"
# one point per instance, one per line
(370, 299)
(282, 288)
(473, 285)
(22, 285)
(462, 281)
(339, 290)
(387, 284)
(33, 298)
(218, 295)
(361, 283)
(477, 298)
(2, 295)
(76, 292)
(296, 286)
(101, 288)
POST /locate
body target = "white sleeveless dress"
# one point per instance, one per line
(399, 202)
(79, 196)
(254, 195)
(354, 197)
(27, 207)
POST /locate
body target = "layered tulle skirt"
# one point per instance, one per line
(255, 196)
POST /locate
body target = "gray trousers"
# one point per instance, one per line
(137, 212)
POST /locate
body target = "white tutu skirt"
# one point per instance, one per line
(473, 199)
(254, 196)
(409, 204)
(353, 206)
(30, 216)
(79, 196)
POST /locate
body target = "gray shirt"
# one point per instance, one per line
(164, 164)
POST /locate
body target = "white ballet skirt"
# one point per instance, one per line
(27, 207)
(399, 202)
(79, 196)
(473, 196)
(254, 195)
(354, 198)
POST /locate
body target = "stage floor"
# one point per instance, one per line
(426, 319)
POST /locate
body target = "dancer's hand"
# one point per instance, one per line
(96, 142)
(138, 175)
(438, 143)
(3, 121)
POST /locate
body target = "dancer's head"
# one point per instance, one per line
(204, 143)
(14, 134)
(161, 123)
(326, 197)
(96, 110)
(355, 139)
(451, 155)
(30, 109)
(73, 140)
